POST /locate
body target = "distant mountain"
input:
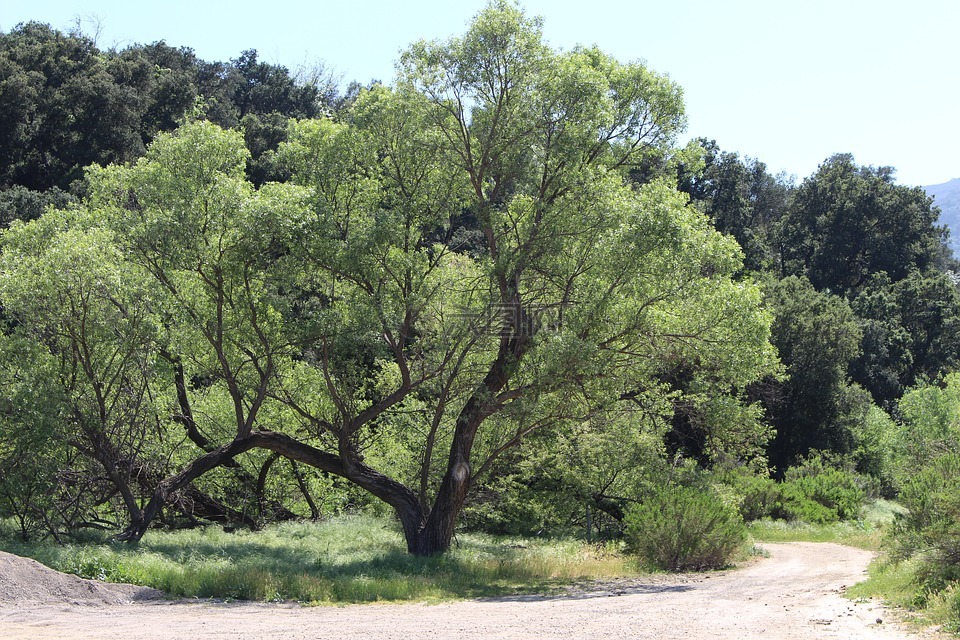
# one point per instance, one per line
(947, 197)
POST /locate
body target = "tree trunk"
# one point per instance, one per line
(437, 534)
(170, 485)
(401, 498)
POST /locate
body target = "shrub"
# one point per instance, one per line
(756, 496)
(931, 525)
(818, 493)
(927, 472)
(953, 612)
(931, 494)
(874, 453)
(683, 529)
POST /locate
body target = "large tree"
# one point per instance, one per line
(456, 263)
(849, 222)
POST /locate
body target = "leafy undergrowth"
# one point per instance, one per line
(867, 532)
(349, 559)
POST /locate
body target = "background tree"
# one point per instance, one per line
(742, 199)
(910, 333)
(67, 104)
(860, 238)
(849, 222)
(167, 81)
(20, 203)
(855, 233)
(62, 109)
(816, 408)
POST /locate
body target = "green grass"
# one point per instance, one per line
(855, 534)
(896, 585)
(349, 559)
(881, 512)
(867, 532)
(363, 558)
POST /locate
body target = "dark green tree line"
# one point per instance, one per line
(66, 104)
(863, 245)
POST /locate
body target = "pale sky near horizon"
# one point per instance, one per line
(789, 82)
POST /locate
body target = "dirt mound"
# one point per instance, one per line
(25, 581)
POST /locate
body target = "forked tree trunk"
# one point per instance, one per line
(436, 535)
(437, 532)
(425, 534)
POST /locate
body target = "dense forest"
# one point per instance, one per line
(494, 294)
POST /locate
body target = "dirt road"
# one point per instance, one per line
(792, 594)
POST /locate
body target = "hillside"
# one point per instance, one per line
(947, 197)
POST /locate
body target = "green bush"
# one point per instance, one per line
(875, 450)
(931, 526)
(684, 529)
(953, 612)
(931, 494)
(927, 472)
(818, 493)
(756, 496)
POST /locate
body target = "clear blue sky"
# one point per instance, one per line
(787, 81)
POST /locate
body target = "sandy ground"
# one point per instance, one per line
(792, 594)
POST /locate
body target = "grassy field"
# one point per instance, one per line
(349, 559)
